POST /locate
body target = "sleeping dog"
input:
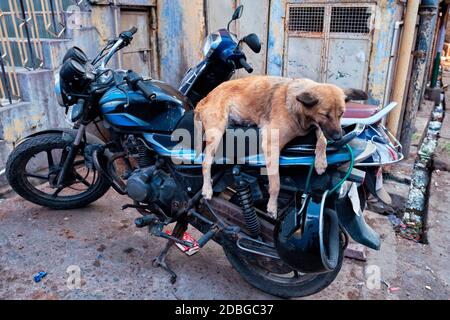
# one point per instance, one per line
(288, 107)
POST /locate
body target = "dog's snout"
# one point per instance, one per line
(337, 135)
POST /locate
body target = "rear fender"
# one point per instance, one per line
(355, 224)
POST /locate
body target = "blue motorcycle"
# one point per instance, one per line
(152, 155)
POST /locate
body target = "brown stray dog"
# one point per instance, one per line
(292, 107)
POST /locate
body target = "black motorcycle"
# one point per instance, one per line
(150, 157)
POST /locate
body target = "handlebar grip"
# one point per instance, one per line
(345, 139)
(140, 84)
(245, 65)
(133, 30)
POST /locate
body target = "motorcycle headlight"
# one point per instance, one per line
(58, 91)
(211, 43)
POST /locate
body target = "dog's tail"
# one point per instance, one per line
(198, 133)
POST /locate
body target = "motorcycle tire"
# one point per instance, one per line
(16, 168)
(247, 266)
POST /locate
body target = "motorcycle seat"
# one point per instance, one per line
(359, 110)
(181, 144)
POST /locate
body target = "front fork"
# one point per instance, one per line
(73, 149)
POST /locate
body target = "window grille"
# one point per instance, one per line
(350, 19)
(306, 19)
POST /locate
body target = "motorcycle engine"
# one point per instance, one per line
(152, 185)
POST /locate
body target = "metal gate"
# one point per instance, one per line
(329, 42)
(140, 54)
(23, 26)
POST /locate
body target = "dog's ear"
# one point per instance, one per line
(355, 94)
(308, 99)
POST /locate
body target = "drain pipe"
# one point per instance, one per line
(391, 65)
(404, 55)
(440, 47)
(428, 16)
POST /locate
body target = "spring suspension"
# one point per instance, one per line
(244, 195)
(143, 159)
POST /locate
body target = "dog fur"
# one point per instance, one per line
(289, 107)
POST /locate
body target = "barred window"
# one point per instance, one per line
(306, 19)
(350, 19)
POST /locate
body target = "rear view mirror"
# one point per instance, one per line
(253, 42)
(238, 13)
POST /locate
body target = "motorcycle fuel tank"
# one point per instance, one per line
(128, 110)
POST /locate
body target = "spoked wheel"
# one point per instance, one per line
(275, 277)
(33, 169)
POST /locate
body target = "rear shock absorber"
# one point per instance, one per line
(144, 159)
(244, 195)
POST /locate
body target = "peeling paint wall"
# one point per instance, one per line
(181, 31)
(182, 28)
(275, 51)
(388, 13)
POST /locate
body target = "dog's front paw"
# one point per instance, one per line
(207, 192)
(320, 165)
(272, 210)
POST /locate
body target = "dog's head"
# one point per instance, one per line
(324, 105)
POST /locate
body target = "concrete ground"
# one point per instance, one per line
(115, 260)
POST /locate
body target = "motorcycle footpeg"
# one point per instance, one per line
(207, 236)
(174, 239)
(257, 247)
(145, 221)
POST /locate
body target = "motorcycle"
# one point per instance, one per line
(151, 158)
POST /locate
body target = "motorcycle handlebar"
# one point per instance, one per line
(144, 89)
(133, 30)
(127, 36)
(245, 65)
(348, 137)
(135, 81)
(115, 45)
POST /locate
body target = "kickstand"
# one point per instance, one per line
(160, 260)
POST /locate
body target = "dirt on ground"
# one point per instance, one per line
(115, 260)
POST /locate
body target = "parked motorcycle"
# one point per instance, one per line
(151, 158)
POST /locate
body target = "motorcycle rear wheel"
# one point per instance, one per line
(276, 278)
(83, 188)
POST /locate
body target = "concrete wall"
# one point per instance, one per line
(181, 26)
(387, 13)
(181, 31)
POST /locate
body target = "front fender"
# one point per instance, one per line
(68, 133)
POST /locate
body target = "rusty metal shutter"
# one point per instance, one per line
(329, 42)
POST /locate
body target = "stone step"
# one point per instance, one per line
(5, 149)
(38, 87)
(17, 120)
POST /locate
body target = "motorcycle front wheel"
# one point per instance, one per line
(276, 278)
(32, 171)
